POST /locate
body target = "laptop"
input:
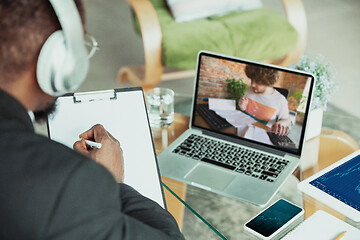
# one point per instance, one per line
(239, 161)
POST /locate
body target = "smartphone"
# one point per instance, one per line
(273, 220)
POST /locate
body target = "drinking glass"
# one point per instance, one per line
(160, 106)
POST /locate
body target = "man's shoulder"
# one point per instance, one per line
(46, 164)
(49, 149)
(66, 158)
(22, 147)
(279, 96)
(56, 181)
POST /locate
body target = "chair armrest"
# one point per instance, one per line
(296, 15)
(151, 35)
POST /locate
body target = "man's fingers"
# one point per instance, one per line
(281, 130)
(89, 134)
(286, 130)
(275, 128)
(96, 132)
(112, 137)
(80, 146)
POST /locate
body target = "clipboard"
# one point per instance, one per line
(337, 186)
(123, 113)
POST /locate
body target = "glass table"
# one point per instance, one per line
(205, 215)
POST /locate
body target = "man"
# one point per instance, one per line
(263, 101)
(48, 191)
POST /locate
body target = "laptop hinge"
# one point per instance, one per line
(245, 143)
(290, 156)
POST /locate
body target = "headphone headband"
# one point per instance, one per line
(71, 25)
(63, 62)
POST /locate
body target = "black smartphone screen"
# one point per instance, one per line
(273, 218)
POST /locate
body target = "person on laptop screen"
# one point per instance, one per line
(263, 102)
(47, 190)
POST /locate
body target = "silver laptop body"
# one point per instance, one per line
(201, 170)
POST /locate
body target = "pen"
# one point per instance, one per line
(93, 144)
(340, 235)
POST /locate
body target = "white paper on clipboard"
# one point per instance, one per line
(123, 114)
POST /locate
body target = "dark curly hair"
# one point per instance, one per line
(25, 25)
(262, 75)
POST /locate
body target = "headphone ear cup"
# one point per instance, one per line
(50, 64)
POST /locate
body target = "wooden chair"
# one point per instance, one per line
(153, 72)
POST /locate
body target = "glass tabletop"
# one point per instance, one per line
(202, 214)
(207, 214)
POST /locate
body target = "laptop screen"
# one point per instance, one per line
(258, 103)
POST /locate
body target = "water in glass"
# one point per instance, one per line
(160, 104)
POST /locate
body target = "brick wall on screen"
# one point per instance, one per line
(214, 72)
(294, 82)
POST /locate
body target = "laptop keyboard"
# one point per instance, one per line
(215, 121)
(238, 159)
(278, 140)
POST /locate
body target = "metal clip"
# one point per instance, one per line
(95, 96)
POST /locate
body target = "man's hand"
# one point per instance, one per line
(280, 127)
(243, 102)
(110, 155)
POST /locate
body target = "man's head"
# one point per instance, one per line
(261, 77)
(25, 26)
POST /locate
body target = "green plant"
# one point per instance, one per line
(297, 95)
(324, 73)
(236, 89)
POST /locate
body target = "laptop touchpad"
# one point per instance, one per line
(209, 176)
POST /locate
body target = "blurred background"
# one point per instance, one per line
(333, 31)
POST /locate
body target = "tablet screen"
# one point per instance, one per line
(343, 182)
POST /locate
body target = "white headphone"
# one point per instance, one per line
(63, 62)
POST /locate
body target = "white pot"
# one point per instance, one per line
(310, 155)
(314, 124)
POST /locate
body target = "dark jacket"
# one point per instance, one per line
(49, 191)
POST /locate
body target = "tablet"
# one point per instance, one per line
(337, 186)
